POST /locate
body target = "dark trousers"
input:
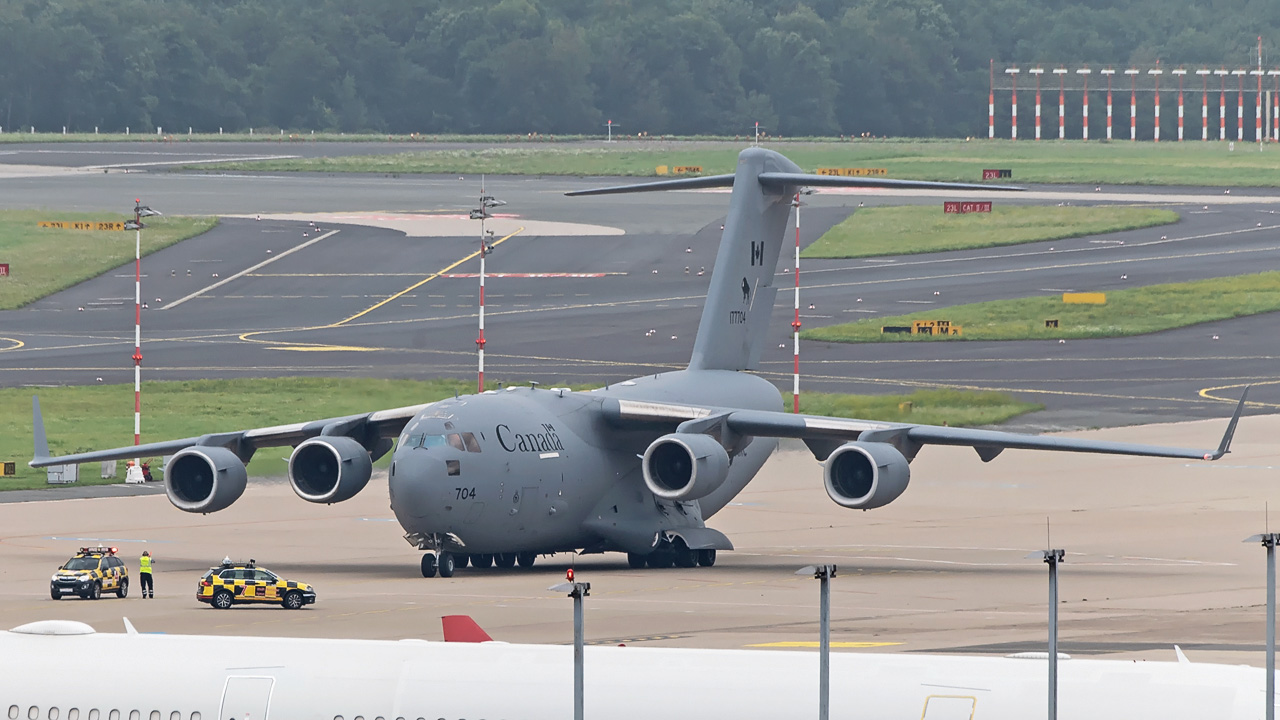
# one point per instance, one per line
(148, 590)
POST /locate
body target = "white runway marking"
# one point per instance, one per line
(246, 271)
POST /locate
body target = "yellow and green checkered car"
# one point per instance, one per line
(89, 573)
(237, 583)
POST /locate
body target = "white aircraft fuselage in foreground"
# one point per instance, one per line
(84, 675)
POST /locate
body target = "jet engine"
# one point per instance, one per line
(203, 479)
(865, 475)
(329, 469)
(685, 466)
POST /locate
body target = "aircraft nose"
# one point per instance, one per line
(413, 483)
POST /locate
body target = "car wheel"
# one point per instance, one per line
(445, 564)
(635, 560)
(123, 590)
(222, 600)
(707, 558)
(53, 593)
(292, 600)
(505, 560)
(95, 593)
(428, 565)
(526, 559)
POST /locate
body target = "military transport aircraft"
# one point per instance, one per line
(637, 466)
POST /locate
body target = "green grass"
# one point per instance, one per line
(1126, 312)
(45, 260)
(78, 419)
(1094, 162)
(902, 230)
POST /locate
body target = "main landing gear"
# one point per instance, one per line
(445, 563)
(676, 553)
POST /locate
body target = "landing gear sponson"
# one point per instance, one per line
(672, 554)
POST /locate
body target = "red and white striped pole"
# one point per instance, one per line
(1062, 102)
(795, 324)
(1013, 106)
(137, 327)
(1037, 72)
(486, 201)
(1156, 72)
(1239, 105)
(991, 101)
(1275, 107)
(1222, 104)
(1181, 73)
(1133, 103)
(1085, 121)
(1257, 132)
(1204, 104)
(1109, 72)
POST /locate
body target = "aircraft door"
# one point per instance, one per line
(246, 698)
(948, 707)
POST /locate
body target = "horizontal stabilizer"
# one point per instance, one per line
(461, 628)
(778, 180)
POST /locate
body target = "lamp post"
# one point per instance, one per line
(577, 591)
(1052, 558)
(823, 573)
(482, 213)
(139, 211)
(610, 125)
(1269, 541)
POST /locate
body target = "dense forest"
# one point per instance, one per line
(818, 67)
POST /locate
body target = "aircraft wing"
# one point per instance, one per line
(370, 429)
(824, 434)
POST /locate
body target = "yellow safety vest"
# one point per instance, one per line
(146, 564)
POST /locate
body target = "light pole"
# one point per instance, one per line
(610, 125)
(1269, 541)
(823, 573)
(139, 211)
(482, 213)
(577, 591)
(1052, 558)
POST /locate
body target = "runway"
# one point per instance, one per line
(579, 307)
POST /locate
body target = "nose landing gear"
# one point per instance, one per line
(443, 563)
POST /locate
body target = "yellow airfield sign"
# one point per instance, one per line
(854, 172)
(81, 225)
(679, 170)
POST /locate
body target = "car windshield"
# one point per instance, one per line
(81, 563)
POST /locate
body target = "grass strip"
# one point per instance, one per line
(909, 229)
(43, 261)
(1127, 312)
(78, 419)
(1075, 162)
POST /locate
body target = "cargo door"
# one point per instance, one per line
(246, 698)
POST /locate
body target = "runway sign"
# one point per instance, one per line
(679, 170)
(4, 269)
(10, 468)
(63, 225)
(936, 327)
(993, 174)
(962, 208)
(1084, 298)
(1051, 323)
(853, 172)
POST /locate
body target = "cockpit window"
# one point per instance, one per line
(455, 441)
(469, 440)
(419, 440)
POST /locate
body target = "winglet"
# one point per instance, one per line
(1182, 657)
(37, 422)
(129, 628)
(1225, 446)
(461, 628)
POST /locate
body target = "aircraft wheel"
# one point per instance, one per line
(445, 564)
(660, 559)
(526, 559)
(460, 560)
(635, 560)
(482, 560)
(428, 565)
(682, 556)
(707, 558)
(123, 590)
(505, 560)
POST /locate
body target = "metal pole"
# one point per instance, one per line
(823, 573)
(1052, 557)
(1269, 541)
(137, 328)
(795, 324)
(577, 591)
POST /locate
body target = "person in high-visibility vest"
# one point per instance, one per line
(144, 575)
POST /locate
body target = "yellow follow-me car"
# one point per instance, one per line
(237, 583)
(91, 571)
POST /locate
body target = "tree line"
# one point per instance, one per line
(819, 67)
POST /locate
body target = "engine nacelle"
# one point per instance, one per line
(865, 475)
(202, 479)
(685, 466)
(329, 469)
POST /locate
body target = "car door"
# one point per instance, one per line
(268, 585)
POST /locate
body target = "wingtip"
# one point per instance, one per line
(41, 449)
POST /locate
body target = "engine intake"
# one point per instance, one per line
(865, 475)
(204, 479)
(329, 469)
(685, 466)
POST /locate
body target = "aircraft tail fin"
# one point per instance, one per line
(461, 628)
(735, 318)
(37, 422)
